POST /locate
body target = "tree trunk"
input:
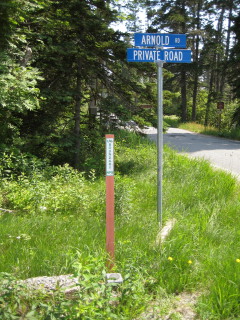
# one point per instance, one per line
(195, 90)
(183, 95)
(224, 69)
(77, 133)
(196, 74)
(219, 55)
(210, 92)
(183, 71)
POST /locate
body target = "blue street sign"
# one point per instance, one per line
(160, 40)
(153, 55)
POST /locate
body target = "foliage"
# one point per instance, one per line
(142, 122)
(59, 212)
(95, 299)
(172, 121)
(236, 117)
(18, 94)
(14, 163)
(234, 133)
(234, 62)
(59, 60)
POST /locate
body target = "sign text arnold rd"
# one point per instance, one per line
(160, 40)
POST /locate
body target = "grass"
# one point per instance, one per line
(174, 121)
(59, 215)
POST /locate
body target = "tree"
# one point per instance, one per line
(172, 16)
(18, 80)
(235, 69)
(74, 46)
(196, 40)
(69, 43)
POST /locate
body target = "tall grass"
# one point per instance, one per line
(57, 215)
(174, 121)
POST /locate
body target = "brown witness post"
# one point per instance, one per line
(110, 198)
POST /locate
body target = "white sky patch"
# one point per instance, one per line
(141, 22)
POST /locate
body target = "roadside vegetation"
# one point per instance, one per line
(56, 225)
(232, 132)
(64, 83)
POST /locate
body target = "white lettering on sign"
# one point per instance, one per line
(152, 55)
(155, 40)
(110, 156)
(173, 55)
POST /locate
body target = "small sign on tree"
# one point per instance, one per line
(220, 105)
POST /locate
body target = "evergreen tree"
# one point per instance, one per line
(18, 80)
(172, 17)
(83, 62)
(235, 69)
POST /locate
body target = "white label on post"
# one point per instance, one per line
(109, 157)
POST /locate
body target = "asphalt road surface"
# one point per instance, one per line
(222, 153)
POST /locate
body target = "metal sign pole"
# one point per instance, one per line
(154, 42)
(160, 140)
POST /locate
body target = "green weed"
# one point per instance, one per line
(232, 133)
(94, 299)
(59, 212)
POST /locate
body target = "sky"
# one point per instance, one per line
(121, 26)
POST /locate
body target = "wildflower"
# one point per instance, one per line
(189, 261)
(170, 258)
(238, 260)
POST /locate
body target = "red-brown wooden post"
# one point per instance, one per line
(110, 198)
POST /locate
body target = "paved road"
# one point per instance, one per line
(222, 153)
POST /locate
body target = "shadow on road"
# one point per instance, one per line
(192, 142)
(222, 153)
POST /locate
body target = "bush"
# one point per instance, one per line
(14, 163)
(95, 299)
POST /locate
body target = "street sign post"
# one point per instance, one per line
(160, 40)
(157, 53)
(159, 140)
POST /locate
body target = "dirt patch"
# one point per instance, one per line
(185, 306)
(181, 307)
